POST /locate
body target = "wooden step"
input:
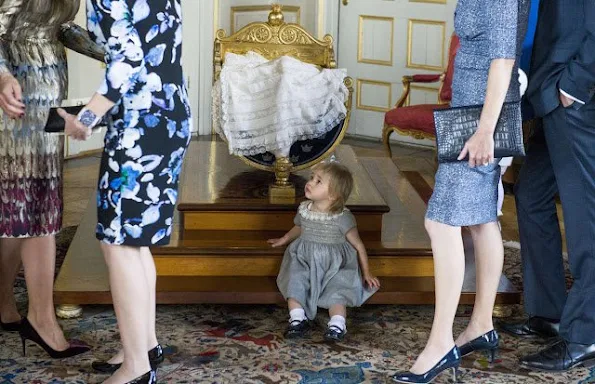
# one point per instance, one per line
(227, 259)
(247, 253)
(263, 290)
(369, 223)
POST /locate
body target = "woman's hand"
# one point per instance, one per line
(11, 95)
(278, 242)
(371, 281)
(73, 127)
(480, 148)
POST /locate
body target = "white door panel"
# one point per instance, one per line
(380, 41)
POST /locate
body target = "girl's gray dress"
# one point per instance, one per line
(487, 30)
(320, 268)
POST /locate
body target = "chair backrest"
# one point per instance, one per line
(446, 88)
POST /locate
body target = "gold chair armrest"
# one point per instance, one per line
(407, 80)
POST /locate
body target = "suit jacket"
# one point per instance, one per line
(563, 54)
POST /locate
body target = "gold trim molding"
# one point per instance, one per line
(261, 8)
(424, 89)
(374, 108)
(410, 63)
(429, 1)
(360, 40)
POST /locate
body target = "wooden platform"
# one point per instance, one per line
(219, 253)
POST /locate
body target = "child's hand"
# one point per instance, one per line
(371, 281)
(277, 242)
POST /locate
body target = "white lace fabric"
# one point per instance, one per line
(265, 106)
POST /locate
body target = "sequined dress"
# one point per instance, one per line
(487, 30)
(320, 268)
(33, 34)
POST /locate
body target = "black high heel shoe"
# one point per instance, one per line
(27, 332)
(451, 360)
(148, 378)
(11, 327)
(487, 342)
(156, 357)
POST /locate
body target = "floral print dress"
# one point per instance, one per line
(150, 126)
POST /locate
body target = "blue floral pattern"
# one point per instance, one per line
(150, 124)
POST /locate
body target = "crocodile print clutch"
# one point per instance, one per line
(454, 126)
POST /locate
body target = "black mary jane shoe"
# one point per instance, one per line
(11, 327)
(487, 342)
(148, 378)
(451, 360)
(334, 333)
(297, 329)
(156, 357)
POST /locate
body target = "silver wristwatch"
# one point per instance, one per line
(88, 118)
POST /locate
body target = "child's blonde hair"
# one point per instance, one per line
(340, 183)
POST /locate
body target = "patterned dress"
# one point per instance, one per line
(32, 34)
(488, 29)
(320, 268)
(150, 124)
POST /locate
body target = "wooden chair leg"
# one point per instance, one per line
(386, 132)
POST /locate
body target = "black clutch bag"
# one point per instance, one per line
(454, 126)
(55, 123)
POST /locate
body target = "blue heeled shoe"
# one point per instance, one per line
(487, 342)
(451, 360)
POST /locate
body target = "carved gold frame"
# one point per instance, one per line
(276, 38)
(259, 8)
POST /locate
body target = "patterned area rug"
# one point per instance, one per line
(244, 344)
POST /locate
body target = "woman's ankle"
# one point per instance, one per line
(9, 315)
(479, 326)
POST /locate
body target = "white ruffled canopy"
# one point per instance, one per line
(265, 106)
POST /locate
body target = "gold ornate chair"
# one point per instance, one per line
(417, 121)
(273, 39)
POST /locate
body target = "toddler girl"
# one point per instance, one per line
(320, 268)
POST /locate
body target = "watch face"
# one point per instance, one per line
(303, 151)
(87, 118)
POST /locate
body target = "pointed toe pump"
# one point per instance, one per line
(27, 332)
(450, 361)
(488, 342)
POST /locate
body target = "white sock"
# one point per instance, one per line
(297, 314)
(338, 321)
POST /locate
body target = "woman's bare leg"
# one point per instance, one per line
(151, 275)
(449, 269)
(10, 264)
(131, 298)
(39, 262)
(489, 258)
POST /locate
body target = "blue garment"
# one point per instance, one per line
(561, 161)
(488, 30)
(150, 124)
(563, 54)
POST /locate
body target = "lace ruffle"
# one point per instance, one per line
(265, 106)
(306, 213)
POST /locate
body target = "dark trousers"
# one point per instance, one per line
(560, 159)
